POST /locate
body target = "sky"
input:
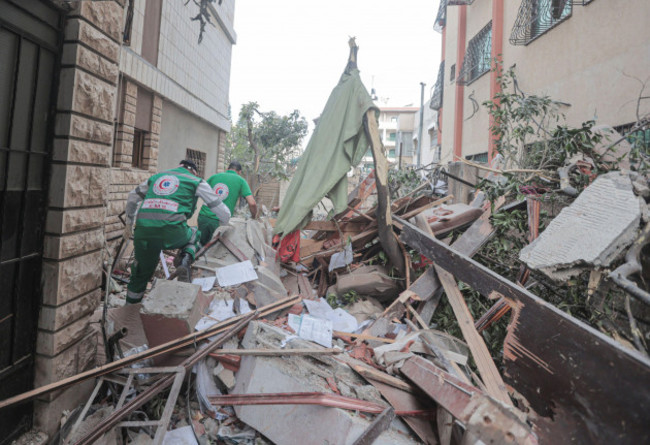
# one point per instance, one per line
(290, 54)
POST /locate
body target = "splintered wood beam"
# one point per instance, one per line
(384, 219)
(493, 380)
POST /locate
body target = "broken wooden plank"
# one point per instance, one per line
(378, 426)
(484, 362)
(384, 219)
(490, 420)
(584, 386)
(412, 213)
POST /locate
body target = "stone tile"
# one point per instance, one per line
(82, 152)
(78, 185)
(66, 221)
(83, 128)
(53, 318)
(86, 94)
(68, 279)
(52, 343)
(82, 31)
(59, 247)
(106, 15)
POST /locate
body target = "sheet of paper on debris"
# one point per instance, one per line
(220, 310)
(312, 329)
(236, 274)
(341, 319)
(341, 259)
(206, 283)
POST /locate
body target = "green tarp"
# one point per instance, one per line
(338, 143)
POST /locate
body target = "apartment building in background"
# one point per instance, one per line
(95, 96)
(396, 128)
(592, 55)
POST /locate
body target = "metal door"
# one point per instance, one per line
(30, 33)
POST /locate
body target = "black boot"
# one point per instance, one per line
(184, 269)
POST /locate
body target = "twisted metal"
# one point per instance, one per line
(441, 18)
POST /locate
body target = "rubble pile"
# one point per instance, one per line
(338, 347)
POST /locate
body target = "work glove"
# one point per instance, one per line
(128, 231)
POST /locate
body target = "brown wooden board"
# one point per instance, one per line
(585, 386)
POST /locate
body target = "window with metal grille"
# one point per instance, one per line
(441, 17)
(480, 157)
(477, 57)
(459, 2)
(438, 89)
(199, 158)
(537, 17)
(452, 73)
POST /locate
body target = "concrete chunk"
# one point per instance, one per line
(591, 232)
(305, 424)
(171, 310)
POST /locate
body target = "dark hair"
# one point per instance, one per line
(234, 165)
(189, 164)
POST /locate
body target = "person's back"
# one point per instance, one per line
(229, 186)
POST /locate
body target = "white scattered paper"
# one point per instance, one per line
(206, 283)
(341, 319)
(220, 310)
(180, 436)
(341, 259)
(312, 329)
(236, 274)
(163, 260)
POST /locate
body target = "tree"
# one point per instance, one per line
(266, 144)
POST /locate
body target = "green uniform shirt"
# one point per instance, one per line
(229, 186)
(171, 198)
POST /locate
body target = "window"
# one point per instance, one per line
(436, 97)
(151, 31)
(128, 24)
(452, 73)
(137, 157)
(538, 16)
(478, 56)
(481, 157)
(393, 119)
(639, 139)
(198, 157)
(391, 137)
(391, 153)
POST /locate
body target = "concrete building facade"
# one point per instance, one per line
(95, 96)
(592, 55)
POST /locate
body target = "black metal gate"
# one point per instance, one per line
(30, 32)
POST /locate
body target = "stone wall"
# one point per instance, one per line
(74, 240)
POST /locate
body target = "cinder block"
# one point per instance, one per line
(171, 310)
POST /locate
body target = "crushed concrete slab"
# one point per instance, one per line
(590, 233)
(171, 310)
(287, 423)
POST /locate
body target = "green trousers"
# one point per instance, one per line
(207, 226)
(147, 243)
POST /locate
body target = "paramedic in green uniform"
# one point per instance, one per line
(229, 186)
(164, 203)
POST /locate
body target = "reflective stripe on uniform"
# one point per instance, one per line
(162, 216)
